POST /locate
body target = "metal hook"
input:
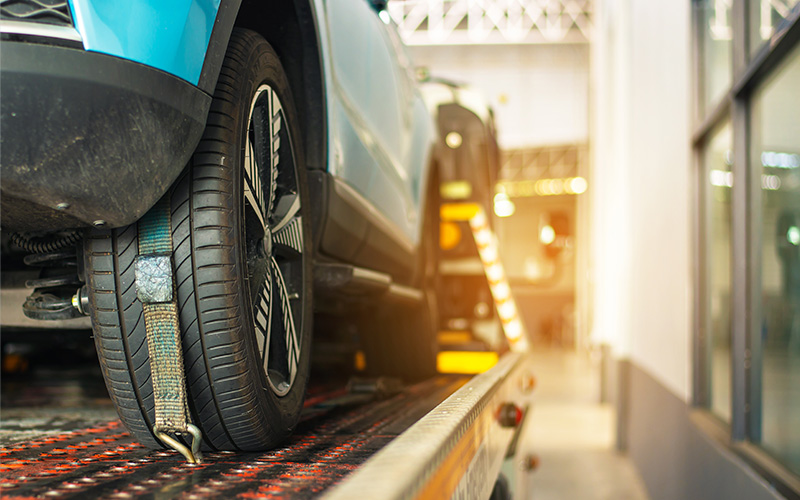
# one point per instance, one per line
(192, 455)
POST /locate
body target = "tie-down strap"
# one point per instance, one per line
(155, 288)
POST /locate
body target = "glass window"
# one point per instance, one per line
(715, 16)
(775, 146)
(717, 161)
(765, 17)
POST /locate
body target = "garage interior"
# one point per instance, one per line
(646, 210)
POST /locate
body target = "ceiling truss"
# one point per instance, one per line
(466, 22)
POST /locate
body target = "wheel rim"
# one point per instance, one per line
(274, 240)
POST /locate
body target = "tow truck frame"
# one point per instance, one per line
(456, 450)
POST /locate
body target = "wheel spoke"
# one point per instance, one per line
(290, 235)
(253, 202)
(287, 207)
(292, 342)
(263, 320)
(253, 191)
(250, 168)
(275, 144)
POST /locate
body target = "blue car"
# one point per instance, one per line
(291, 151)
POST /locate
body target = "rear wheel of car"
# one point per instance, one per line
(242, 262)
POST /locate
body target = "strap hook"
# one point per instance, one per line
(192, 455)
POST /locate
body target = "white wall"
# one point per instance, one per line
(539, 93)
(642, 224)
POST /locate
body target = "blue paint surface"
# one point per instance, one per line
(170, 35)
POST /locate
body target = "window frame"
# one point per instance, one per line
(749, 73)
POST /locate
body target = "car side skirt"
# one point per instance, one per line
(349, 229)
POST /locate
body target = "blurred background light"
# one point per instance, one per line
(449, 235)
(547, 235)
(464, 362)
(543, 187)
(482, 310)
(503, 291)
(456, 190)
(513, 330)
(459, 211)
(770, 182)
(721, 178)
(578, 185)
(453, 140)
(780, 160)
(793, 235)
(494, 273)
(506, 311)
(489, 254)
(503, 206)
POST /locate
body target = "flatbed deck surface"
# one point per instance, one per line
(47, 452)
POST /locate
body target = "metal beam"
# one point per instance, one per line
(466, 22)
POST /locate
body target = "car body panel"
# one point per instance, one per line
(99, 136)
(380, 133)
(146, 31)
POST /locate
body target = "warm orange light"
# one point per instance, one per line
(547, 235)
(360, 361)
(494, 272)
(454, 337)
(501, 291)
(458, 211)
(503, 206)
(513, 330)
(486, 242)
(449, 235)
(543, 187)
(465, 362)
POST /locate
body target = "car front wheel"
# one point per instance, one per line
(242, 262)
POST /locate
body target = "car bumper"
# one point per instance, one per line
(88, 137)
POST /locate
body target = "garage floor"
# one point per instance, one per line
(573, 435)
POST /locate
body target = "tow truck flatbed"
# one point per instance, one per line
(346, 446)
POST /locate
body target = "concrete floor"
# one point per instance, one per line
(573, 435)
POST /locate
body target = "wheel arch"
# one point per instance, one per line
(290, 26)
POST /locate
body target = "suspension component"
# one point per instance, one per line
(57, 291)
(46, 244)
(80, 300)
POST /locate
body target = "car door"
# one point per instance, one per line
(379, 127)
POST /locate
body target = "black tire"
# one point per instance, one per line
(400, 340)
(236, 280)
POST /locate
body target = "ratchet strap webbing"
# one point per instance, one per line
(155, 288)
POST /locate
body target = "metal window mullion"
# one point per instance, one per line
(707, 120)
(702, 300)
(740, 15)
(761, 64)
(740, 229)
(740, 299)
(697, 63)
(754, 353)
(700, 379)
(712, 119)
